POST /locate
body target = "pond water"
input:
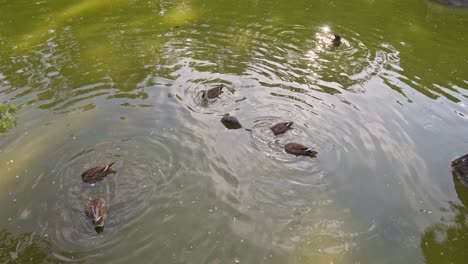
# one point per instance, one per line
(95, 81)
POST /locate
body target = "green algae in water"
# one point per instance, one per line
(7, 118)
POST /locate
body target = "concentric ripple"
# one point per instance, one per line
(143, 166)
(347, 66)
(188, 190)
(189, 91)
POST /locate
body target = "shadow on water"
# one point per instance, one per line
(446, 242)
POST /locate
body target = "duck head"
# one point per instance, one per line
(204, 98)
(337, 40)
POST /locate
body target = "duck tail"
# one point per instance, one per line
(290, 123)
(108, 166)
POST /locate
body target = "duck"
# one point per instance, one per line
(213, 92)
(96, 173)
(300, 150)
(336, 41)
(96, 210)
(231, 122)
(282, 127)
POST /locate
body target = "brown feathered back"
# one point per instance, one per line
(96, 210)
(299, 150)
(282, 127)
(96, 173)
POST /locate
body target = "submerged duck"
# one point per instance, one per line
(96, 210)
(213, 92)
(97, 173)
(336, 41)
(231, 122)
(282, 127)
(299, 150)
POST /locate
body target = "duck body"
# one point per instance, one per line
(299, 150)
(282, 127)
(213, 92)
(336, 41)
(460, 168)
(96, 173)
(96, 210)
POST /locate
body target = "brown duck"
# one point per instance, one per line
(336, 41)
(97, 173)
(96, 210)
(282, 127)
(299, 150)
(213, 92)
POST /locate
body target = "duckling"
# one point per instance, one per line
(96, 173)
(96, 210)
(299, 150)
(282, 127)
(336, 41)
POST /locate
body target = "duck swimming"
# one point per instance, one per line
(282, 127)
(336, 41)
(300, 150)
(96, 173)
(96, 210)
(213, 92)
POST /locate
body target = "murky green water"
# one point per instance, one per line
(102, 80)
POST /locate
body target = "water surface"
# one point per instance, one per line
(101, 80)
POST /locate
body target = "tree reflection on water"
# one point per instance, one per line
(25, 248)
(446, 242)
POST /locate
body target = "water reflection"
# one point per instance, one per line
(7, 118)
(453, 2)
(119, 80)
(348, 66)
(77, 61)
(29, 248)
(446, 242)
